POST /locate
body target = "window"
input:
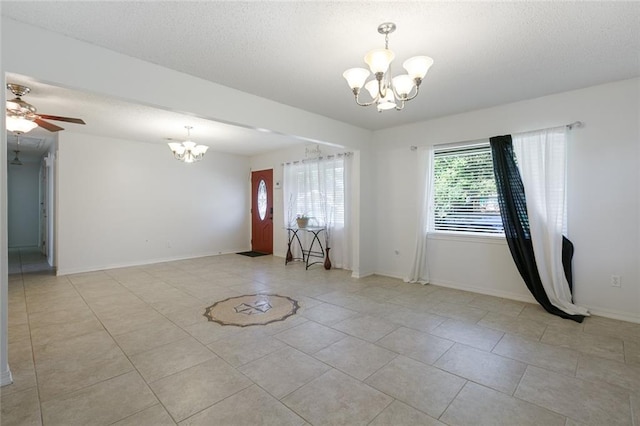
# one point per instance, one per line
(320, 189)
(317, 190)
(464, 190)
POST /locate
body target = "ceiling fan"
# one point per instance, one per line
(22, 116)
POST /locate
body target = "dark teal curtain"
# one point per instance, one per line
(513, 209)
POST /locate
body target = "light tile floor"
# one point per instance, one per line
(131, 347)
(27, 259)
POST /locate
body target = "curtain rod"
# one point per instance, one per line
(341, 154)
(570, 126)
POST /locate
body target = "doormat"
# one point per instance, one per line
(252, 309)
(253, 253)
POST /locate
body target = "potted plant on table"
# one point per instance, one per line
(302, 220)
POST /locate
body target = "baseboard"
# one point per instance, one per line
(607, 313)
(486, 291)
(6, 378)
(81, 270)
(389, 275)
(358, 274)
(473, 289)
(622, 316)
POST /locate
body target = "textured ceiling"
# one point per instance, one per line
(486, 53)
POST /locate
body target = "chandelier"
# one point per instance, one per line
(387, 92)
(188, 151)
(16, 161)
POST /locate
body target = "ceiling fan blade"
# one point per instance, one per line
(49, 126)
(67, 119)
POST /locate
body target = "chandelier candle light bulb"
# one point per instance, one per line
(386, 92)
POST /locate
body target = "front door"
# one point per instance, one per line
(262, 211)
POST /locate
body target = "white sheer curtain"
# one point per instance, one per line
(321, 190)
(419, 272)
(541, 157)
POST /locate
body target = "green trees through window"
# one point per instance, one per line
(464, 190)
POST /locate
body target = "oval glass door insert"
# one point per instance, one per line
(262, 199)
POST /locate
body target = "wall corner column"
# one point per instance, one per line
(5, 372)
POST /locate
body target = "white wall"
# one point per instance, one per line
(123, 203)
(603, 196)
(23, 185)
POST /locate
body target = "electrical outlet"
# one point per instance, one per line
(616, 281)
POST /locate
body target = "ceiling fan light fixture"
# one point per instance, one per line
(13, 105)
(188, 151)
(23, 117)
(19, 124)
(387, 92)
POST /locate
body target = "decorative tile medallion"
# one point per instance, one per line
(252, 309)
(258, 307)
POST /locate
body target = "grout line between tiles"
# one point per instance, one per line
(33, 355)
(454, 398)
(123, 352)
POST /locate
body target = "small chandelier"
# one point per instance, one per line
(188, 151)
(16, 161)
(387, 92)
